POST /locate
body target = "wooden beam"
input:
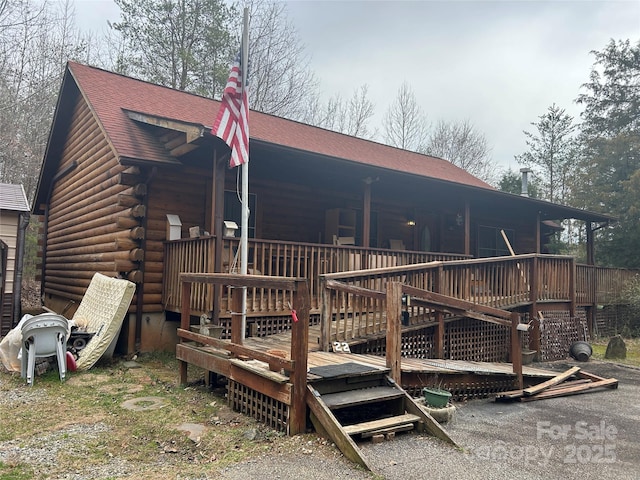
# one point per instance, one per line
(394, 331)
(185, 321)
(453, 302)
(299, 354)
(551, 382)
(237, 280)
(236, 349)
(336, 432)
(428, 422)
(572, 390)
(516, 348)
(277, 391)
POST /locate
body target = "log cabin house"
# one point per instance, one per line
(134, 184)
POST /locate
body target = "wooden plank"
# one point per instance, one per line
(394, 330)
(590, 376)
(236, 280)
(329, 423)
(428, 422)
(352, 398)
(259, 383)
(383, 423)
(272, 360)
(549, 383)
(398, 428)
(188, 354)
(516, 394)
(572, 390)
(260, 370)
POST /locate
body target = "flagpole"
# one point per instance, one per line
(244, 232)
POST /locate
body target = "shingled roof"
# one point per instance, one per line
(111, 95)
(12, 197)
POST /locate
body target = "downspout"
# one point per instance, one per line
(23, 223)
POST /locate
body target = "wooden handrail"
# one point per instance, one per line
(394, 293)
(299, 334)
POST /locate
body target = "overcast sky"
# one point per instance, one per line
(499, 64)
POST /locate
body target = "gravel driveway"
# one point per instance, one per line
(590, 436)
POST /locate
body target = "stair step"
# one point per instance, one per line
(359, 397)
(385, 425)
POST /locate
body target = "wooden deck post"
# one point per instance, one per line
(394, 330)
(299, 354)
(572, 289)
(236, 315)
(534, 332)
(325, 315)
(516, 353)
(438, 340)
(185, 321)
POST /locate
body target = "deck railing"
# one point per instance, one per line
(500, 282)
(272, 258)
(504, 282)
(601, 285)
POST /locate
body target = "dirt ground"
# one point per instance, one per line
(589, 436)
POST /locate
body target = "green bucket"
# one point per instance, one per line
(436, 397)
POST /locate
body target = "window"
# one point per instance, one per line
(491, 243)
(233, 211)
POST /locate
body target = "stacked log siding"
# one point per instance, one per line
(89, 229)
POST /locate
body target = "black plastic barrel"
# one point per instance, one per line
(581, 351)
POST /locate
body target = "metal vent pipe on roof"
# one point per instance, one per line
(525, 181)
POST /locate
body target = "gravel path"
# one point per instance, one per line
(502, 441)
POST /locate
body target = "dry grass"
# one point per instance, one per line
(147, 443)
(633, 350)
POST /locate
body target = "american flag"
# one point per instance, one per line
(232, 122)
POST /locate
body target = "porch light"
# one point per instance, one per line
(459, 220)
(230, 228)
(411, 222)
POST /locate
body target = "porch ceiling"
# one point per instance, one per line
(296, 166)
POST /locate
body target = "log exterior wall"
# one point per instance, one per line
(178, 192)
(88, 228)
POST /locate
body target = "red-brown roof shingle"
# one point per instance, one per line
(110, 94)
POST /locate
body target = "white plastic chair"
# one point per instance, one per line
(44, 335)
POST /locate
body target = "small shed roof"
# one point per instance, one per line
(12, 197)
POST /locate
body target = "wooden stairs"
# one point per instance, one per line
(351, 401)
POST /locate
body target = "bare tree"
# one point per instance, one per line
(36, 42)
(461, 144)
(280, 80)
(350, 117)
(405, 125)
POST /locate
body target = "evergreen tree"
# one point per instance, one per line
(610, 176)
(552, 152)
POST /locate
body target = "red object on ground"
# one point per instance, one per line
(71, 362)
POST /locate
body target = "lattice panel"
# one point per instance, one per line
(415, 344)
(558, 331)
(481, 387)
(616, 319)
(474, 340)
(265, 325)
(264, 409)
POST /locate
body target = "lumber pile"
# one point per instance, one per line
(570, 382)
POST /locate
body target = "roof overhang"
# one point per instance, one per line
(547, 210)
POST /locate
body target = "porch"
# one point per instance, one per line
(528, 283)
